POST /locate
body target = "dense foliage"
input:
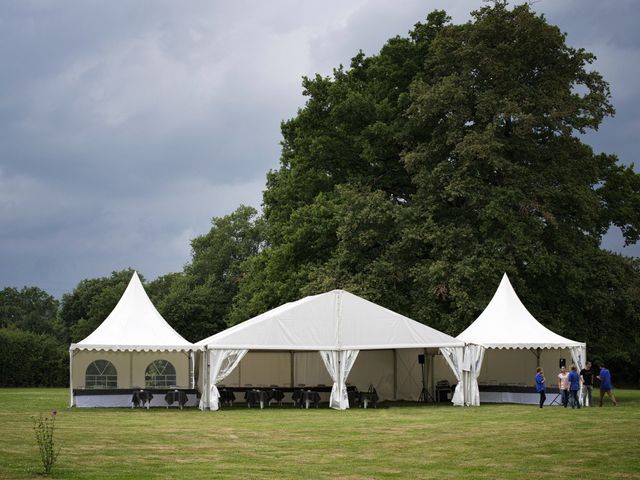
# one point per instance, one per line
(198, 301)
(415, 178)
(421, 174)
(32, 360)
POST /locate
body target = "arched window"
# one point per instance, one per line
(160, 373)
(101, 374)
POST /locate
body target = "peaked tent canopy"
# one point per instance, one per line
(336, 320)
(337, 324)
(134, 325)
(507, 324)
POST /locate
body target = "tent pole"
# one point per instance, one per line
(291, 367)
(206, 380)
(432, 374)
(424, 371)
(71, 378)
(395, 374)
(131, 369)
(537, 357)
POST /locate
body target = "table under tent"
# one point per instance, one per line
(329, 342)
(133, 349)
(505, 345)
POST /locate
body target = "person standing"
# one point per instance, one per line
(574, 386)
(540, 385)
(563, 386)
(605, 384)
(586, 375)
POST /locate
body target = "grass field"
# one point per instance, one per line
(491, 441)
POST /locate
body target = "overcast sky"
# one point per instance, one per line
(126, 126)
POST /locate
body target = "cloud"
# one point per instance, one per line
(126, 126)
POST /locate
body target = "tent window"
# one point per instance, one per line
(160, 373)
(101, 374)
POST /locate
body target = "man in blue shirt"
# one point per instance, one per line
(574, 386)
(605, 385)
(540, 385)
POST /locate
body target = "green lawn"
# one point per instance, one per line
(492, 441)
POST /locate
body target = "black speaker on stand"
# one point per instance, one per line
(425, 396)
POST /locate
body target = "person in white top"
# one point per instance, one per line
(563, 385)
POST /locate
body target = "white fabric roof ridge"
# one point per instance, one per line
(134, 348)
(134, 325)
(335, 320)
(506, 323)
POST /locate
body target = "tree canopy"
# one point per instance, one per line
(418, 175)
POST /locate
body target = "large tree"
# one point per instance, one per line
(503, 180)
(30, 309)
(197, 302)
(351, 132)
(420, 174)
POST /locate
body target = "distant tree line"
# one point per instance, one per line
(414, 178)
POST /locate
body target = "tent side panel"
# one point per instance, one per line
(409, 374)
(141, 360)
(83, 358)
(518, 366)
(507, 366)
(261, 369)
(550, 362)
(374, 367)
(310, 370)
(442, 371)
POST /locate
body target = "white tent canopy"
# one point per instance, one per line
(134, 325)
(506, 324)
(337, 324)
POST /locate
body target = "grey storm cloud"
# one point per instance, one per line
(126, 126)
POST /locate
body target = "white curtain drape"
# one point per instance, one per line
(339, 364)
(221, 364)
(578, 355)
(473, 356)
(455, 358)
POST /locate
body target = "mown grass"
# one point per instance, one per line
(443, 442)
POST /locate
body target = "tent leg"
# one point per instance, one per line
(395, 374)
(131, 369)
(191, 371)
(71, 398)
(431, 375)
(292, 367)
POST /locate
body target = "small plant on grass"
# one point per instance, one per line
(44, 426)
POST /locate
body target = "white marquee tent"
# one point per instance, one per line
(504, 326)
(132, 337)
(337, 325)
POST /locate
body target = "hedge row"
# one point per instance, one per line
(32, 360)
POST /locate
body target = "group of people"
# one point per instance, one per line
(569, 385)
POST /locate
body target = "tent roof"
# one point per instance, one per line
(134, 324)
(336, 320)
(506, 323)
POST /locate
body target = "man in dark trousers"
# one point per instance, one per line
(574, 387)
(586, 375)
(605, 384)
(540, 385)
